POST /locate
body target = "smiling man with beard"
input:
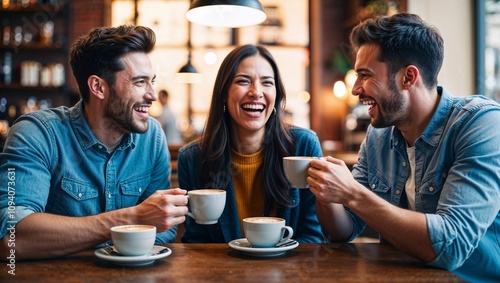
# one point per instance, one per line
(104, 162)
(428, 173)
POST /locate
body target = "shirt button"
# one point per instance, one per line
(99, 146)
(431, 189)
(444, 175)
(140, 190)
(374, 186)
(398, 192)
(404, 164)
(80, 195)
(109, 195)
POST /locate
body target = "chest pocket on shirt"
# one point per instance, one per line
(430, 190)
(132, 190)
(79, 199)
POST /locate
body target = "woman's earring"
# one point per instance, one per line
(224, 108)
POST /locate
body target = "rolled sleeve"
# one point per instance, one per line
(443, 237)
(10, 216)
(167, 236)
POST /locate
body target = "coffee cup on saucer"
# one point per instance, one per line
(206, 205)
(266, 232)
(133, 240)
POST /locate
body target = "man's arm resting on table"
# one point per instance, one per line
(44, 235)
(334, 186)
(405, 229)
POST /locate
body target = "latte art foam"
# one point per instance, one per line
(263, 220)
(205, 192)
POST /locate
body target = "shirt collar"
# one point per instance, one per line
(85, 136)
(434, 130)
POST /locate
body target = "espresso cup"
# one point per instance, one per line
(266, 232)
(133, 240)
(295, 168)
(206, 205)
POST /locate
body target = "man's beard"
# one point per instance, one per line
(118, 116)
(392, 108)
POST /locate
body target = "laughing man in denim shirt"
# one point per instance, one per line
(428, 173)
(69, 174)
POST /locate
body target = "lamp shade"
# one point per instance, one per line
(226, 13)
(188, 68)
(188, 75)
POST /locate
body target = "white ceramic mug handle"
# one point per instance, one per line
(189, 213)
(283, 230)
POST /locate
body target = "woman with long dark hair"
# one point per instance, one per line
(241, 151)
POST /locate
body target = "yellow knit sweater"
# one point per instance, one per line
(248, 184)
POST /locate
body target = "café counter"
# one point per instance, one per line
(355, 262)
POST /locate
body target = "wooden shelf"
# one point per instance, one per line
(33, 46)
(17, 86)
(49, 8)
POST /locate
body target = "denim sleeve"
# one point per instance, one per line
(10, 216)
(167, 236)
(360, 173)
(24, 175)
(470, 198)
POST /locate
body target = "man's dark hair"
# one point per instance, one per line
(404, 39)
(99, 53)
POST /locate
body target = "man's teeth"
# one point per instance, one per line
(368, 102)
(141, 109)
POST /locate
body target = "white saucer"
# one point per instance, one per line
(141, 260)
(244, 246)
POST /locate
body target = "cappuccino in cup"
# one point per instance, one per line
(206, 205)
(133, 240)
(266, 232)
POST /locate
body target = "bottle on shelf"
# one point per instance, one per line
(7, 68)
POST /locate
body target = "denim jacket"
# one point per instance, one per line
(53, 163)
(457, 181)
(301, 217)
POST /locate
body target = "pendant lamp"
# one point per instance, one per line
(226, 13)
(188, 74)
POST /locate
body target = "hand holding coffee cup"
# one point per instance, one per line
(266, 232)
(206, 205)
(295, 168)
(133, 240)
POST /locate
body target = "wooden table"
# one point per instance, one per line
(219, 263)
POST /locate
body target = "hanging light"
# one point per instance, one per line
(226, 13)
(188, 74)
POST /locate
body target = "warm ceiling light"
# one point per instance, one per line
(226, 13)
(339, 89)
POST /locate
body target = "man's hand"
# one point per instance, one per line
(163, 209)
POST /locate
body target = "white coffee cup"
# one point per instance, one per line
(206, 205)
(266, 232)
(133, 240)
(295, 168)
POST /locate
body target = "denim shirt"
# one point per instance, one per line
(301, 216)
(457, 181)
(56, 165)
